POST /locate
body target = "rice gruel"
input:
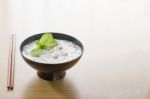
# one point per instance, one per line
(65, 51)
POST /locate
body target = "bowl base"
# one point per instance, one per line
(51, 76)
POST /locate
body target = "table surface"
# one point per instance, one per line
(116, 37)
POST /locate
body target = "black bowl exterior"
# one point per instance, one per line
(51, 67)
(43, 67)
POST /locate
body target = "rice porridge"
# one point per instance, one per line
(65, 51)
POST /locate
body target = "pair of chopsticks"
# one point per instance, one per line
(11, 62)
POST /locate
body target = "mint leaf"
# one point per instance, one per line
(36, 52)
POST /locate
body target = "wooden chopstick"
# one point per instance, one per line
(11, 62)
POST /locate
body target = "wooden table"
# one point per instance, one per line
(116, 37)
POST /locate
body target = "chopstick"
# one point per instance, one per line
(11, 62)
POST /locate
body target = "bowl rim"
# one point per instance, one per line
(82, 49)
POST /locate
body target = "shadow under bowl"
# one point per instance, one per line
(51, 71)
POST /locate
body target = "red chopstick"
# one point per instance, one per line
(11, 62)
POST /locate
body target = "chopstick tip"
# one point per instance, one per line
(9, 88)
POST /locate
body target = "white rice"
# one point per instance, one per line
(65, 51)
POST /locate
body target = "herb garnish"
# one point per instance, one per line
(46, 42)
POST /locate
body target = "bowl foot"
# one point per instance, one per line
(51, 76)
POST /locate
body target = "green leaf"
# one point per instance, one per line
(46, 38)
(50, 45)
(36, 52)
(38, 44)
(46, 42)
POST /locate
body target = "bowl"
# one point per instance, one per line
(49, 71)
